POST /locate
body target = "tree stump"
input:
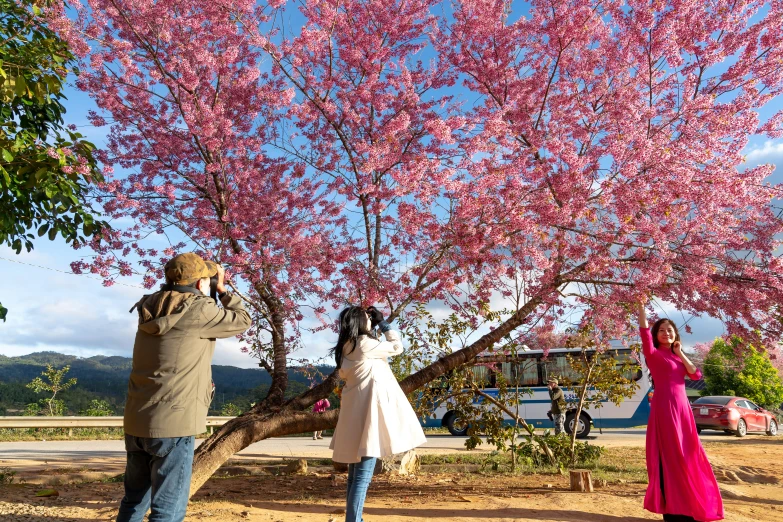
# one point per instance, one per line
(410, 463)
(581, 480)
(296, 467)
(407, 463)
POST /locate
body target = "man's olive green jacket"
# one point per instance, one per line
(170, 386)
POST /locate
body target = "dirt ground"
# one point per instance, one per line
(749, 471)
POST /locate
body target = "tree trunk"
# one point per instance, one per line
(579, 407)
(267, 420)
(242, 431)
(279, 384)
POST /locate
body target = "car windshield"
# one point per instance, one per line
(712, 400)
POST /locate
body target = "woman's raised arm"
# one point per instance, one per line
(644, 332)
(642, 315)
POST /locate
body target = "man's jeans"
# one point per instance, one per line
(559, 419)
(157, 476)
(359, 477)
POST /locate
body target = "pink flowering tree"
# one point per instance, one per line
(423, 152)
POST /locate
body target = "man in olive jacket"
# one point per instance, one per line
(170, 386)
(558, 405)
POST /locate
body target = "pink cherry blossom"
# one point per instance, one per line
(423, 152)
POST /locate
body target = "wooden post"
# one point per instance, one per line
(581, 480)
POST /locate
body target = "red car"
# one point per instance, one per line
(735, 415)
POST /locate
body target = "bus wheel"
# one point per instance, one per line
(456, 425)
(584, 425)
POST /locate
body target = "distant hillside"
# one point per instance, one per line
(106, 377)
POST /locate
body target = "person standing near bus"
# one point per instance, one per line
(320, 407)
(558, 405)
(681, 484)
(376, 420)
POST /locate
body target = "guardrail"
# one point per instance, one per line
(82, 422)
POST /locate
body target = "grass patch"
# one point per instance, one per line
(621, 464)
(115, 478)
(34, 434)
(457, 458)
(615, 465)
(436, 431)
(6, 476)
(31, 434)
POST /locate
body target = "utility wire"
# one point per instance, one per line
(69, 273)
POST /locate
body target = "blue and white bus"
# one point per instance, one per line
(533, 370)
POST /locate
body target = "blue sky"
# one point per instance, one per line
(51, 309)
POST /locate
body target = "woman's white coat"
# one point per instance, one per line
(376, 419)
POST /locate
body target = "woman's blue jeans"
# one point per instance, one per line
(359, 477)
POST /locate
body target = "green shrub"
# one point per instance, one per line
(531, 451)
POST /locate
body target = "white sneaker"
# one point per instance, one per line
(315, 438)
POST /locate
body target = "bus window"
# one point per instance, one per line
(633, 372)
(556, 365)
(484, 376)
(527, 370)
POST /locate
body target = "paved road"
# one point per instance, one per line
(111, 453)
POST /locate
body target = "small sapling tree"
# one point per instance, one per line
(598, 375)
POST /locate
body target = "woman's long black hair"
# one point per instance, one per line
(353, 323)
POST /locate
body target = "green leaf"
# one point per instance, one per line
(21, 86)
(47, 493)
(34, 65)
(3, 312)
(52, 234)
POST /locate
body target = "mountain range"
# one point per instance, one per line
(106, 377)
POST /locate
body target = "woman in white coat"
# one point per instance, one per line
(376, 420)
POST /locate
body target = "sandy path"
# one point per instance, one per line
(749, 470)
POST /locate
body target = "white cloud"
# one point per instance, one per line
(227, 353)
(770, 152)
(50, 310)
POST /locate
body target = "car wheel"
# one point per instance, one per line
(773, 428)
(456, 425)
(742, 428)
(584, 425)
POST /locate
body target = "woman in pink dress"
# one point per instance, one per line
(681, 484)
(320, 407)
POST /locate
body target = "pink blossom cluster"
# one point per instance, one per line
(421, 151)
